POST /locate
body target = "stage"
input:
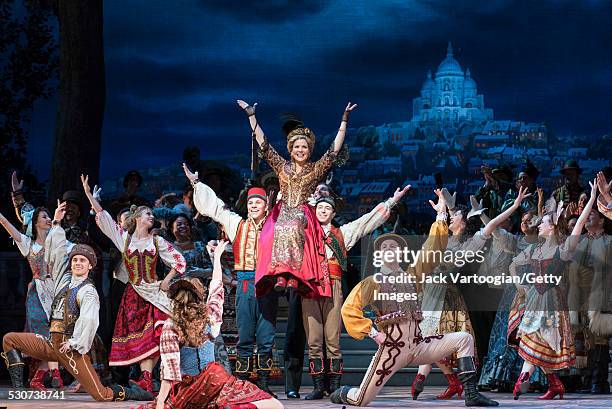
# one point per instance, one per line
(392, 397)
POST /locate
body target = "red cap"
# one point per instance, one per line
(258, 193)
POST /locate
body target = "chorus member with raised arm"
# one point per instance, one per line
(37, 224)
(543, 330)
(291, 252)
(74, 320)
(255, 316)
(604, 202)
(397, 332)
(144, 306)
(201, 383)
(322, 319)
(502, 365)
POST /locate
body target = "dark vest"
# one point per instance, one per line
(72, 309)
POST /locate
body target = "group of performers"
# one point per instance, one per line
(169, 327)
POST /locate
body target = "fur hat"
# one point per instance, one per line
(85, 251)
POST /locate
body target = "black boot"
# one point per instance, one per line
(467, 376)
(15, 366)
(133, 392)
(243, 368)
(264, 367)
(340, 395)
(600, 385)
(317, 371)
(336, 369)
(293, 377)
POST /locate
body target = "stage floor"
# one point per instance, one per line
(391, 397)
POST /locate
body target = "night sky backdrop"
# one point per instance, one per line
(175, 68)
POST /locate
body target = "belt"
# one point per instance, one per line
(392, 318)
(57, 326)
(245, 275)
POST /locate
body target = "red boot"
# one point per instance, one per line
(454, 388)
(417, 385)
(56, 379)
(281, 284)
(145, 381)
(522, 385)
(555, 387)
(37, 381)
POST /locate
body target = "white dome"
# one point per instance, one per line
(449, 66)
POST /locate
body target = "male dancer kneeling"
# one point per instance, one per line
(74, 321)
(400, 342)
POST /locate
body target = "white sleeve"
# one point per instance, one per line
(170, 256)
(366, 224)
(475, 242)
(56, 252)
(87, 324)
(505, 240)
(111, 229)
(24, 244)
(208, 204)
(216, 295)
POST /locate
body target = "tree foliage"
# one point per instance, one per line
(28, 70)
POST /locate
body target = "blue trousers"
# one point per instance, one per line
(255, 318)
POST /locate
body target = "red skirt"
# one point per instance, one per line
(303, 257)
(137, 330)
(214, 388)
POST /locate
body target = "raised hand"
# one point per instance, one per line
(350, 107)
(250, 110)
(439, 207)
(60, 211)
(85, 183)
(397, 196)
(220, 249)
(96, 193)
(522, 194)
(603, 185)
(593, 185)
(16, 184)
(449, 199)
(190, 175)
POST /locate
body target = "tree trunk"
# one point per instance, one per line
(82, 96)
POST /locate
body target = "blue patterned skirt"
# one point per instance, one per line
(36, 317)
(502, 365)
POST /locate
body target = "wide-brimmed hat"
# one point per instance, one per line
(570, 164)
(73, 196)
(503, 169)
(190, 284)
(389, 236)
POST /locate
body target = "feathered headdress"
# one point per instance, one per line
(554, 209)
(294, 129)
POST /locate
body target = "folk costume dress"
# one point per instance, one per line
(444, 308)
(539, 324)
(502, 365)
(199, 381)
(292, 240)
(144, 306)
(40, 289)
